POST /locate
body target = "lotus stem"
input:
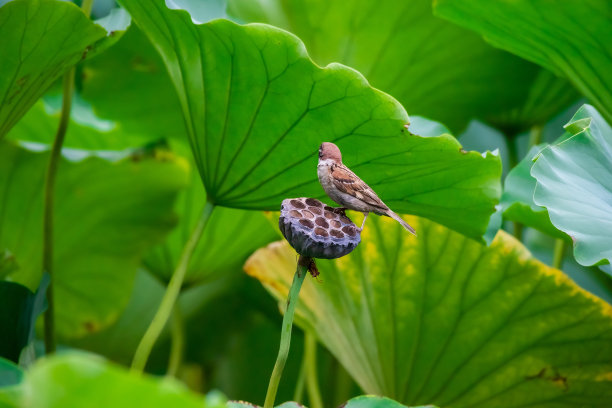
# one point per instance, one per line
(535, 135)
(557, 262)
(177, 347)
(517, 230)
(312, 383)
(285, 340)
(172, 292)
(56, 149)
(298, 394)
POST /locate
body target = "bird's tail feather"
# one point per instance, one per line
(399, 219)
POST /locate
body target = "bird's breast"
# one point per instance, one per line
(325, 178)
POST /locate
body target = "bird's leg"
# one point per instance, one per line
(365, 215)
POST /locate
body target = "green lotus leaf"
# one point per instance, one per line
(36, 49)
(441, 319)
(517, 198)
(86, 380)
(574, 183)
(39, 126)
(116, 23)
(570, 38)
(434, 68)
(370, 401)
(257, 108)
(106, 216)
(10, 374)
(129, 84)
(119, 341)
(230, 237)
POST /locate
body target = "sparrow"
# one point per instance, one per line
(347, 189)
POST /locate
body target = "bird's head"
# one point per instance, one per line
(329, 151)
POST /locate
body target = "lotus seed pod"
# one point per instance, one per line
(315, 230)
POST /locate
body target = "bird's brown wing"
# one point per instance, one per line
(349, 183)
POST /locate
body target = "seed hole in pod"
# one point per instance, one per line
(307, 223)
(320, 231)
(320, 221)
(313, 202)
(316, 210)
(345, 219)
(308, 214)
(349, 230)
(329, 215)
(298, 204)
(336, 233)
(295, 213)
(335, 223)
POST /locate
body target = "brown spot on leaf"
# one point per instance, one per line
(85, 51)
(90, 326)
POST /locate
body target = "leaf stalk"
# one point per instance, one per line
(49, 198)
(559, 250)
(312, 380)
(171, 295)
(285, 340)
(47, 259)
(177, 347)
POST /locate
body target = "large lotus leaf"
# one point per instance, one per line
(36, 48)
(257, 108)
(434, 68)
(129, 84)
(517, 198)
(574, 183)
(139, 95)
(444, 320)
(116, 23)
(106, 215)
(83, 380)
(570, 38)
